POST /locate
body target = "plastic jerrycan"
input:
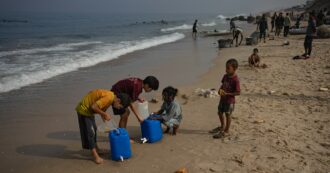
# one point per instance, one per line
(120, 144)
(151, 130)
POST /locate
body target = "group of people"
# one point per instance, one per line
(121, 98)
(125, 92)
(279, 23)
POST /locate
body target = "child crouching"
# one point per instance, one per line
(170, 112)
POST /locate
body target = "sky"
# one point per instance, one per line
(146, 6)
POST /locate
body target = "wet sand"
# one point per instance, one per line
(280, 122)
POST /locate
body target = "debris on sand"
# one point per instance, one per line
(323, 89)
(207, 93)
(182, 170)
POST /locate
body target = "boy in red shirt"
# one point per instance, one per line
(229, 89)
(133, 87)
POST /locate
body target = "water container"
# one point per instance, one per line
(151, 130)
(143, 109)
(106, 126)
(120, 144)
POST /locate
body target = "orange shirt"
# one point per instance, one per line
(103, 98)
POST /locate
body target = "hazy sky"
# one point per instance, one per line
(146, 6)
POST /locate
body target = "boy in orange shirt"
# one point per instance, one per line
(97, 102)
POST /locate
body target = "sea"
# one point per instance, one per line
(35, 47)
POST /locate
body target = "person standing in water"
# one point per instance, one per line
(194, 29)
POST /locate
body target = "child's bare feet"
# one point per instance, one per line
(98, 160)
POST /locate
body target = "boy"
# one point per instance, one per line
(133, 87)
(287, 24)
(229, 89)
(254, 59)
(97, 102)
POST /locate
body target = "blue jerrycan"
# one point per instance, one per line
(151, 130)
(120, 144)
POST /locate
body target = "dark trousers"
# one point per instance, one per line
(286, 31)
(308, 44)
(88, 129)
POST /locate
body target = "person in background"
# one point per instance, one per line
(279, 23)
(263, 26)
(194, 29)
(273, 21)
(237, 32)
(299, 18)
(320, 18)
(287, 25)
(310, 33)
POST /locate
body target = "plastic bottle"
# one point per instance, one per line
(143, 109)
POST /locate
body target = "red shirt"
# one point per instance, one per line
(130, 86)
(230, 84)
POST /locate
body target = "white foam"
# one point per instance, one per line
(60, 47)
(181, 27)
(221, 17)
(75, 60)
(209, 24)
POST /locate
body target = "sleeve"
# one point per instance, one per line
(237, 87)
(136, 90)
(222, 80)
(104, 102)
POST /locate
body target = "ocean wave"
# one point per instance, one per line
(60, 47)
(75, 60)
(209, 24)
(181, 27)
(223, 17)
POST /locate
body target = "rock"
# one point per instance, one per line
(182, 170)
(271, 92)
(323, 89)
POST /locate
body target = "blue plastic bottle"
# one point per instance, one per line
(120, 144)
(151, 130)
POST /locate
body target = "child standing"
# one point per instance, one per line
(229, 89)
(170, 112)
(97, 102)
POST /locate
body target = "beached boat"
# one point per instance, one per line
(215, 33)
(297, 31)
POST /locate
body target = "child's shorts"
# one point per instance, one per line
(226, 108)
(87, 128)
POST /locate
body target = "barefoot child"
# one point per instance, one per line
(254, 59)
(133, 87)
(229, 89)
(97, 102)
(170, 112)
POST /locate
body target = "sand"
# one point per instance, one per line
(280, 123)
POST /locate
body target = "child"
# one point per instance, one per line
(133, 87)
(170, 112)
(254, 59)
(229, 89)
(97, 102)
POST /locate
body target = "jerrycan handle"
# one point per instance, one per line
(114, 126)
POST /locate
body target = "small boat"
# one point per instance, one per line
(215, 33)
(297, 31)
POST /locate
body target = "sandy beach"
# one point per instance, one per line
(280, 123)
